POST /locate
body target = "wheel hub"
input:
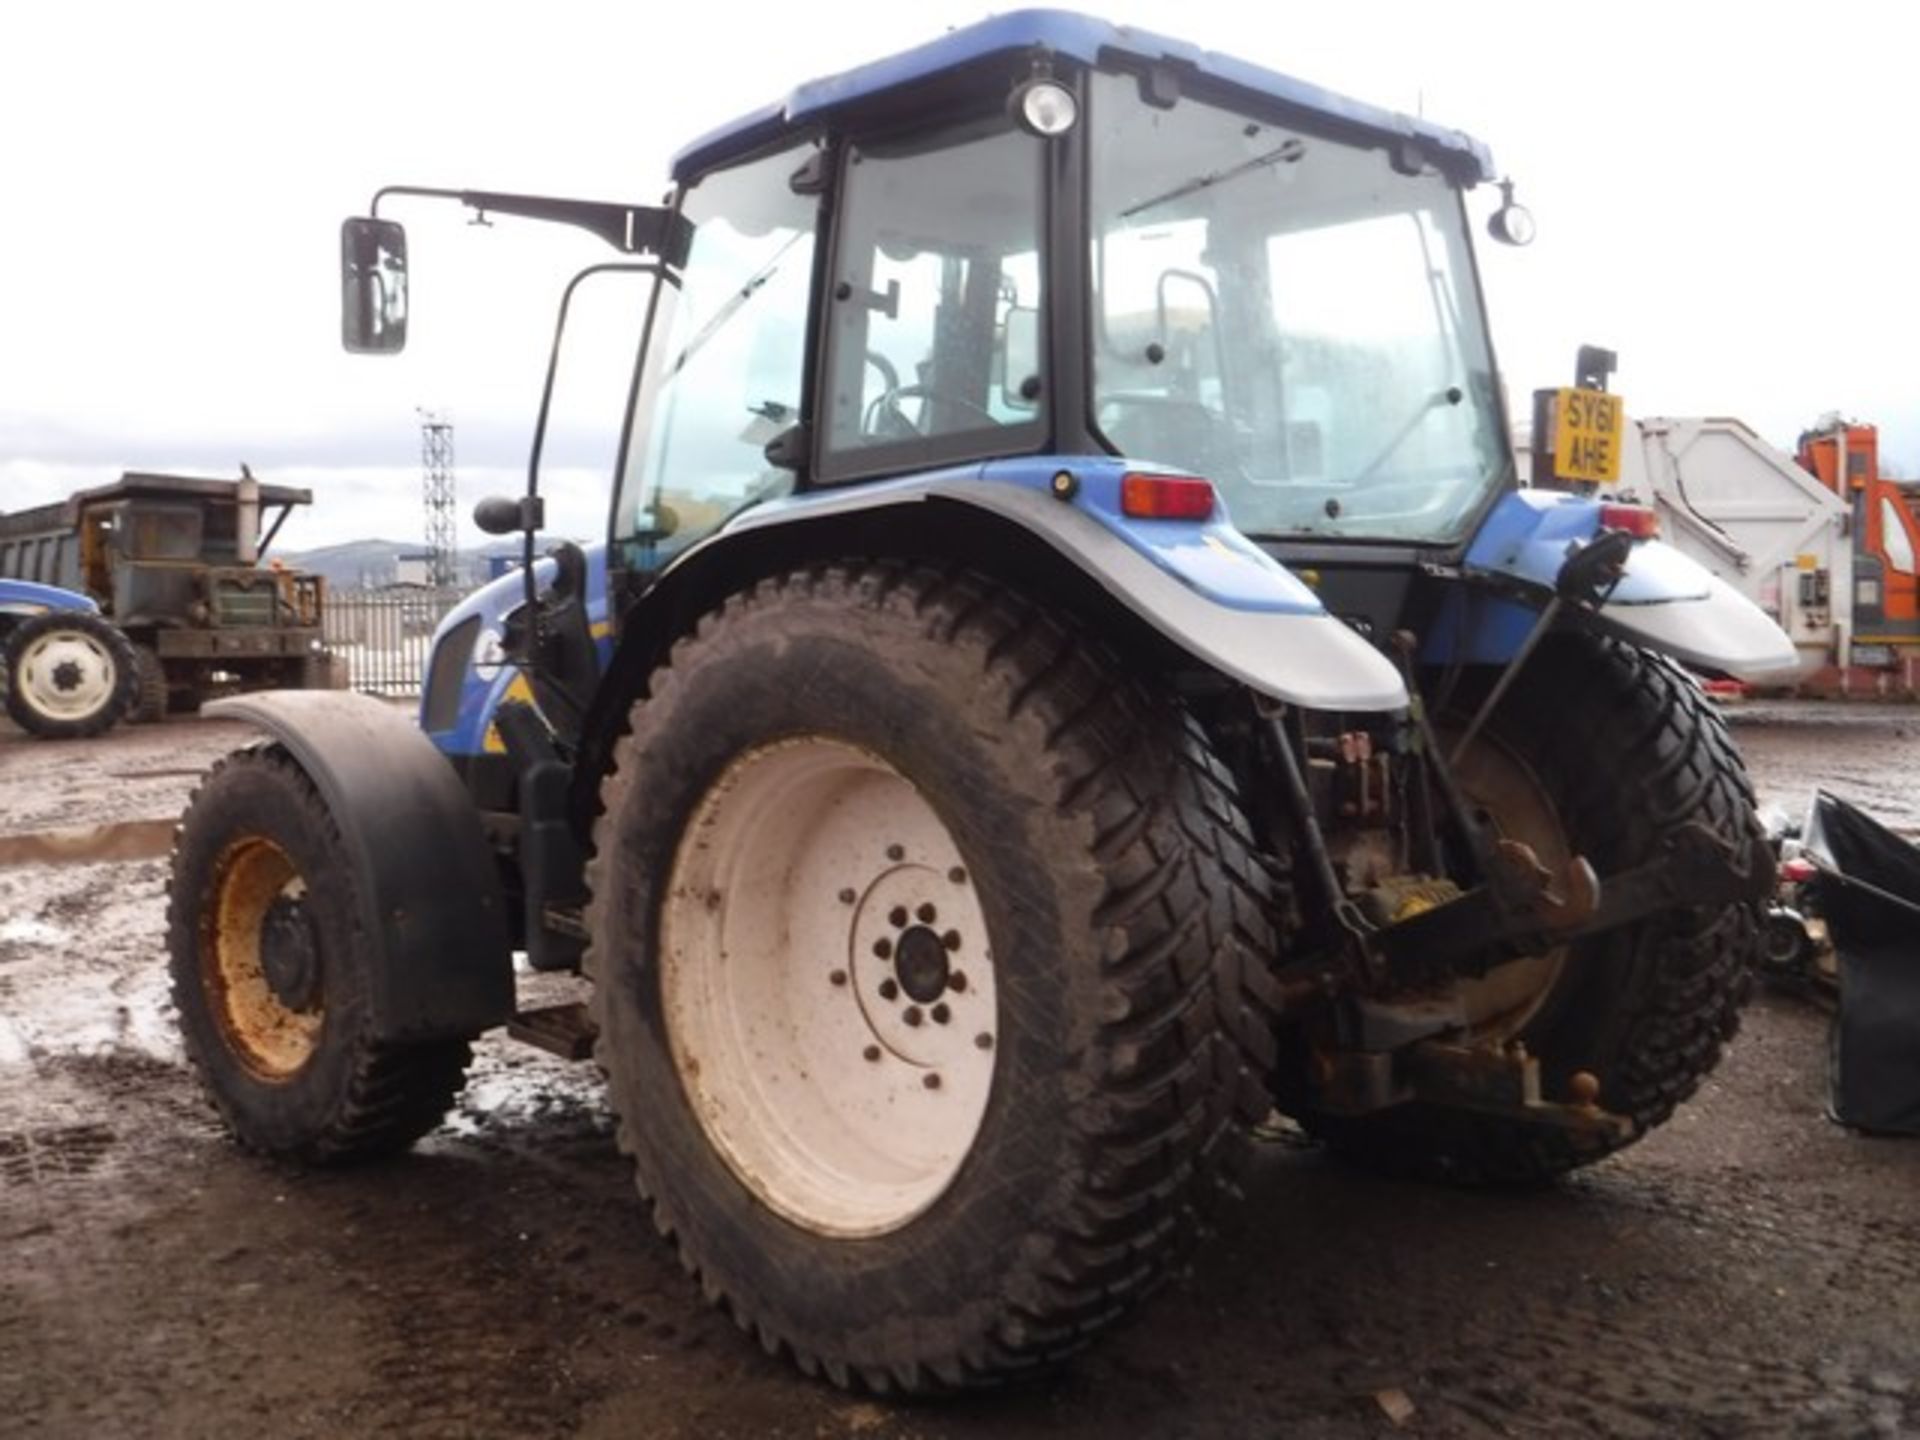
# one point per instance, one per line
(290, 953)
(921, 962)
(911, 980)
(67, 676)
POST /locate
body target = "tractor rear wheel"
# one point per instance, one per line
(269, 968)
(926, 956)
(70, 674)
(1601, 750)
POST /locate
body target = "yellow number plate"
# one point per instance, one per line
(1589, 427)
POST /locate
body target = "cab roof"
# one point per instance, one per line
(1073, 37)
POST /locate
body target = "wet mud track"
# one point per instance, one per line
(1748, 1270)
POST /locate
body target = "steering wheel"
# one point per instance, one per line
(884, 417)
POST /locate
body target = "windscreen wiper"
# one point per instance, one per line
(1286, 152)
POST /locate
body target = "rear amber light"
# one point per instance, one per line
(1166, 497)
(1640, 521)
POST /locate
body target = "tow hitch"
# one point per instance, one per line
(1398, 1051)
(1523, 908)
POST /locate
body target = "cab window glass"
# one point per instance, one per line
(724, 363)
(935, 301)
(1893, 538)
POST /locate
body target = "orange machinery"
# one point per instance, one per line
(1845, 457)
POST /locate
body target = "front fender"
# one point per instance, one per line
(435, 914)
(1202, 584)
(1665, 601)
(28, 597)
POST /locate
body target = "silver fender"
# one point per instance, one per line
(1308, 659)
(1670, 603)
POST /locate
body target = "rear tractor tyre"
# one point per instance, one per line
(270, 976)
(926, 957)
(70, 675)
(1601, 750)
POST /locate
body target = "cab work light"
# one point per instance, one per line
(1166, 497)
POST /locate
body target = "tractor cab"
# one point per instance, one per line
(1045, 236)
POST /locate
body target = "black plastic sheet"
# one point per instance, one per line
(1868, 889)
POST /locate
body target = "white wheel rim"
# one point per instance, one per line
(66, 675)
(828, 987)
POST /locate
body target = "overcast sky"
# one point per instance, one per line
(1725, 195)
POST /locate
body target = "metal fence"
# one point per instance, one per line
(384, 635)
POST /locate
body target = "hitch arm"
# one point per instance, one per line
(1523, 909)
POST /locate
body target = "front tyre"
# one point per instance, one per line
(924, 944)
(70, 675)
(269, 966)
(1603, 750)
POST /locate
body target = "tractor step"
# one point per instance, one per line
(563, 1030)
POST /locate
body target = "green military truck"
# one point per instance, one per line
(178, 564)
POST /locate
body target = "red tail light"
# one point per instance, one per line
(1797, 871)
(1165, 497)
(1640, 521)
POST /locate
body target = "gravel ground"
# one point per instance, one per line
(1750, 1269)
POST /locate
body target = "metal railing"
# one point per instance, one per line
(383, 636)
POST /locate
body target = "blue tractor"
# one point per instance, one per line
(69, 672)
(1072, 667)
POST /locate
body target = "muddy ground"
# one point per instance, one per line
(1750, 1269)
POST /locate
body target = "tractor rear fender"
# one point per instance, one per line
(1198, 586)
(435, 912)
(1666, 601)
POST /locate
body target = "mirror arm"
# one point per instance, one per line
(630, 229)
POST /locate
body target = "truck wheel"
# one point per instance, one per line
(269, 975)
(151, 689)
(69, 675)
(926, 947)
(1601, 749)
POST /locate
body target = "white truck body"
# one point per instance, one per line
(1753, 517)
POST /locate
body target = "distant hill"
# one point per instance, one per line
(364, 564)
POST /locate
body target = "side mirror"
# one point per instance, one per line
(1020, 358)
(373, 286)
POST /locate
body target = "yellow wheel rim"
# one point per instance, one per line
(271, 1037)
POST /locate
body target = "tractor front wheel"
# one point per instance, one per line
(925, 946)
(269, 965)
(69, 675)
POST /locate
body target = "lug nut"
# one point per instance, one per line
(957, 981)
(911, 1015)
(951, 939)
(889, 990)
(983, 1041)
(847, 897)
(897, 917)
(957, 875)
(872, 1052)
(931, 1081)
(896, 852)
(838, 977)
(941, 1014)
(927, 914)
(883, 947)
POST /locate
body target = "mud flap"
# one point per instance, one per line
(435, 910)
